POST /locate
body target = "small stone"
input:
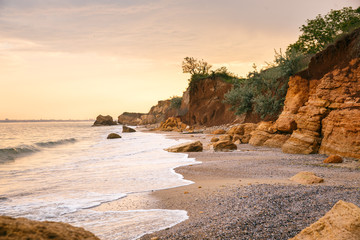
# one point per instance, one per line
(155, 238)
(113, 136)
(214, 139)
(186, 192)
(333, 159)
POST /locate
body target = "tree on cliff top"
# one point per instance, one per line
(195, 66)
(321, 31)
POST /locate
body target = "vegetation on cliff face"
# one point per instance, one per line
(175, 102)
(264, 91)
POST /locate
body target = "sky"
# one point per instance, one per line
(76, 59)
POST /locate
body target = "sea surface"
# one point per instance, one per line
(58, 171)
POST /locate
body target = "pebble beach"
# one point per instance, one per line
(247, 194)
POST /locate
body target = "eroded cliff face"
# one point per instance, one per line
(322, 106)
(205, 104)
(158, 113)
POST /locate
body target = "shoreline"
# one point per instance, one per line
(224, 181)
(230, 194)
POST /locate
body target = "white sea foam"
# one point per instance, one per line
(61, 183)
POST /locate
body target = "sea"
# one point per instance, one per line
(60, 171)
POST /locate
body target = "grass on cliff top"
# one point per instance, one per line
(223, 75)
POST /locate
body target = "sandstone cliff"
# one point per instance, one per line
(322, 106)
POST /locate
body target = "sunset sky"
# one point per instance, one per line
(80, 58)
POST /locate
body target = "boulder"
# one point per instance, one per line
(306, 178)
(333, 159)
(22, 228)
(130, 118)
(104, 121)
(341, 132)
(219, 131)
(187, 147)
(113, 136)
(342, 222)
(225, 137)
(128, 129)
(214, 139)
(224, 146)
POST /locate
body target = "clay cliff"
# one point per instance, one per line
(205, 104)
(322, 106)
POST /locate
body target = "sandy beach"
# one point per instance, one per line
(247, 194)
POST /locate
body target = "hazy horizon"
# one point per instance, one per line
(78, 59)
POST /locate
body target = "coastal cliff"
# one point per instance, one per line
(205, 105)
(322, 106)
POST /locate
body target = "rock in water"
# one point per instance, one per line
(306, 178)
(22, 228)
(187, 147)
(104, 121)
(333, 159)
(128, 129)
(342, 222)
(224, 146)
(113, 135)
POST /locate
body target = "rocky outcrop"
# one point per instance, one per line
(22, 228)
(113, 136)
(187, 147)
(322, 106)
(265, 135)
(242, 132)
(129, 118)
(342, 222)
(127, 129)
(206, 105)
(173, 124)
(104, 121)
(306, 178)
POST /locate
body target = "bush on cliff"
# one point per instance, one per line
(175, 102)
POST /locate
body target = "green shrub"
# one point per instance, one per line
(175, 102)
(264, 91)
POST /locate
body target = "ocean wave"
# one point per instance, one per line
(55, 143)
(11, 153)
